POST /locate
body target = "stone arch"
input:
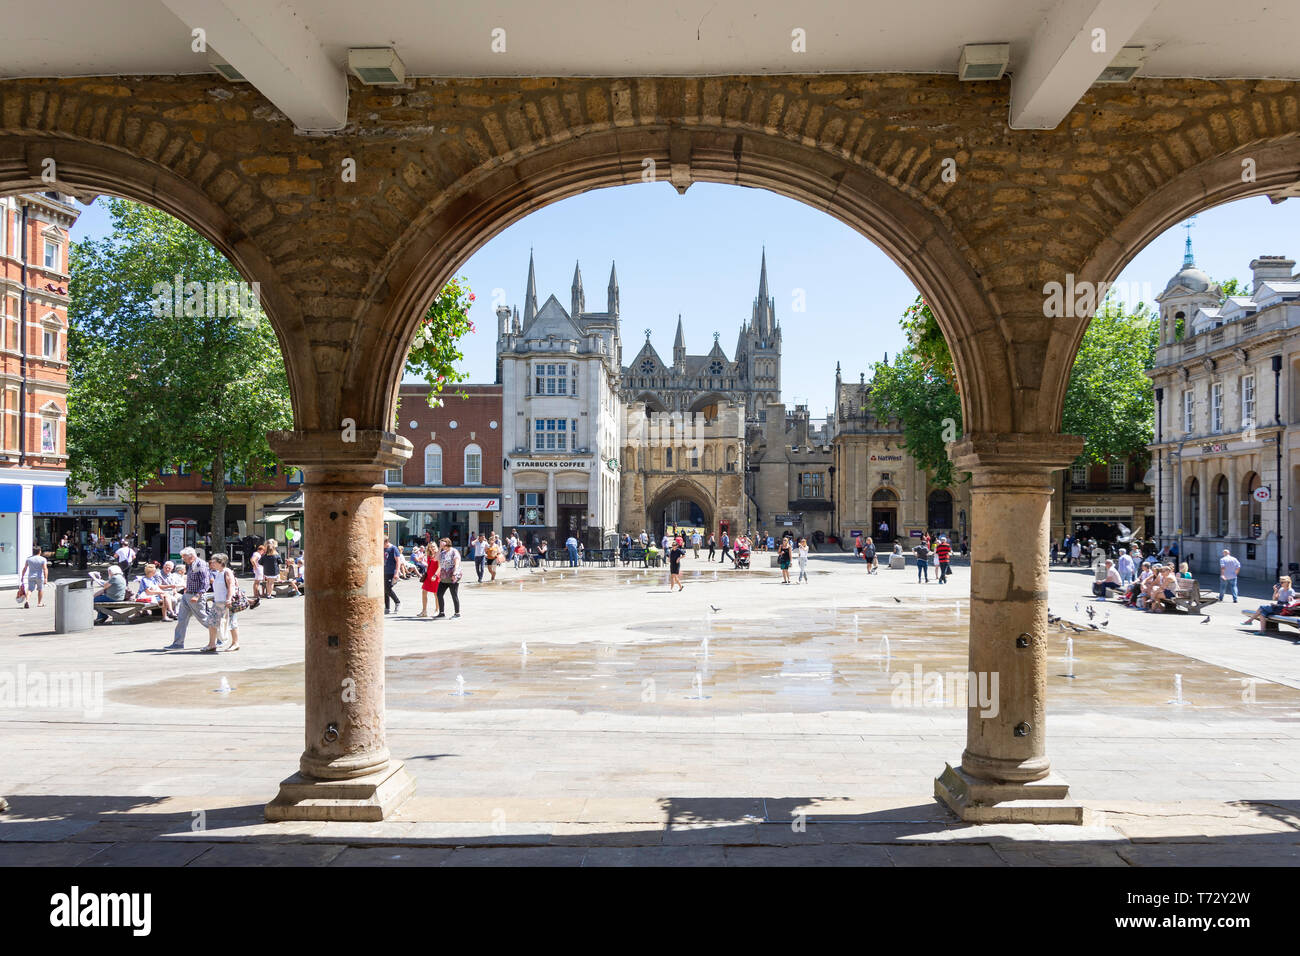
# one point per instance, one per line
(681, 488)
(1163, 184)
(911, 229)
(84, 168)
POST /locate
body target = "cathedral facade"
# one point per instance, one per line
(593, 447)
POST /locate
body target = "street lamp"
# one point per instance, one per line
(1277, 420)
(1160, 482)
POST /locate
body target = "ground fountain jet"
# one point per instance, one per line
(1177, 700)
(460, 686)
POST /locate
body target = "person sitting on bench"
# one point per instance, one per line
(1110, 581)
(1282, 596)
(112, 591)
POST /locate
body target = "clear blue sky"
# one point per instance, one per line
(698, 255)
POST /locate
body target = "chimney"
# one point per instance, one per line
(1269, 267)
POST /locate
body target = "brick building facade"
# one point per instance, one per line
(34, 368)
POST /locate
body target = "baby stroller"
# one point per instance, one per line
(742, 558)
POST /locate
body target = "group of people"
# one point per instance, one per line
(441, 576)
(936, 552)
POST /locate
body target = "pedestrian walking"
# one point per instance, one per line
(125, 557)
(726, 547)
(271, 568)
(222, 617)
(392, 563)
(492, 555)
(943, 551)
(197, 579)
(695, 542)
(675, 566)
(713, 546)
(922, 553)
(36, 574)
(1228, 570)
(869, 555)
(783, 560)
(448, 577)
(480, 555)
(801, 555)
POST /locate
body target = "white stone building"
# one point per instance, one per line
(1227, 449)
(561, 416)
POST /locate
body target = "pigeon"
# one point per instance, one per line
(1092, 612)
(715, 610)
(1076, 606)
(1094, 627)
(897, 601)
(1106, 622)
(1206, 619)
(1051, 619)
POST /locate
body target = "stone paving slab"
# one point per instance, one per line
(553, 781)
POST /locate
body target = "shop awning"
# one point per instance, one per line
(49, 499)
(279, 518)
(441, 503)
(11, 499)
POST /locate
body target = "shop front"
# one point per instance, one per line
(429, 518)
(1105, 523)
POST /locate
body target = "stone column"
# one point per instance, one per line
(1005, 775)
(552, 515)
(345, 772)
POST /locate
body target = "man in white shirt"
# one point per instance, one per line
(1228, 568)
(1125, 567)
(695, 542)
(125, 557)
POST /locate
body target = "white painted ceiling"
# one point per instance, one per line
(1184, 38)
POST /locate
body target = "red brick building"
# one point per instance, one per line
(451, 485)
(33, 365)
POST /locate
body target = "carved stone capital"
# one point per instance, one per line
(1002, 454)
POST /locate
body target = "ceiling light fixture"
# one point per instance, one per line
(377, 66)
(1126, 63)
(983, 61)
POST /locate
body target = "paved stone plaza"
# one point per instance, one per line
(643, 727)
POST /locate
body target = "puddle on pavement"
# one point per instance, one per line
(803, 662)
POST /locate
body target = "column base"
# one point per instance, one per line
(976, 800)
(366, 799)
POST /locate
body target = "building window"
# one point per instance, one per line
(433, 465)
(51, 255)
(49, 436)
(811, 484)
(473, 465)
(551, 434)
(50, 344)
(532, 508)
(1247, 401)
(668, 457)
(695, 457)
(551, 379)
(1189, 408)
(1118, 475)
(1216, 407)
(1078, 477)
(1221, 506)
(1192, 514)
(392, 476)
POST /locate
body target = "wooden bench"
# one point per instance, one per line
(127, 612)
(1272, 621)
(1188, 598)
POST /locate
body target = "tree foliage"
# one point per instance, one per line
(1108, 399)
(435, 350)
(152, 387)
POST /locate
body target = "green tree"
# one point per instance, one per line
(435, 349)
(1108, 399)
(151, 385)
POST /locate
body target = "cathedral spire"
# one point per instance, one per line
(764, 321)
(679, 344)
(530, 294)
(612, 307)
(579, 300)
